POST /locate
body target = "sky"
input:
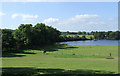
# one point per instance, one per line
(65, 16)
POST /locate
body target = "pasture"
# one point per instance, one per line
(62, 59)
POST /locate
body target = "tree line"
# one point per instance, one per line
(27, 36)
(109, 35)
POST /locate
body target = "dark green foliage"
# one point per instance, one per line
(72, 38)
(27, 36)
(45, 34)
(84, 33)
(107, 35)
(8, 42)
(23, 35)
(110, 35)
(79, 32)
(83, 37)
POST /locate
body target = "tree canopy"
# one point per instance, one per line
(27, 36)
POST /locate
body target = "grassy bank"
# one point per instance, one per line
(62, 59)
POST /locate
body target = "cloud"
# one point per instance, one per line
(83, 22)
(25, 17)
(83, 18)
(75, 19)
(95, 23)
(14, 16)
(78, 20)
(86, 16)
(1, 13)
(51, 20)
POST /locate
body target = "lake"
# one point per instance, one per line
(93, 42)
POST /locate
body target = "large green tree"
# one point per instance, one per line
(45, 34)
(8, 42)
(40, 34)
(23, 35)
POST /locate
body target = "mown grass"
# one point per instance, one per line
(61, 59)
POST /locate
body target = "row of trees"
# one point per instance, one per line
(75, 33)
(72, 38)
(27, 36)
(110, 35)
(107, 35)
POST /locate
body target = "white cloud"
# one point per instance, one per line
(95, 23)
(78, 20)
(51, 20)
(1, 13)
(14, 16)
(25, 17)
(85, 22)
(86, 16)
(74, 20)
(82, 18)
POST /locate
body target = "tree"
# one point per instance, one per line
(23, 35)
(83, 37)
(84, 33)
(79, 32)
(112, 35)
(45, 34)
(8, 42)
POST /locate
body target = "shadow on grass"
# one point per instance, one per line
(55, 47)
(49, 48)
(38, 72)
(15, 54)
(11, 55)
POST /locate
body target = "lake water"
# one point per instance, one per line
(93, 42)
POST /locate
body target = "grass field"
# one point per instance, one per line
(62, 59)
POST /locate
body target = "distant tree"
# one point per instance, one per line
(84, 33)
(88, 33)
(83, 37)
(92, 33)
(68, 32)
(117, 34)
(79, 32)
(112, 35)
(76, 36)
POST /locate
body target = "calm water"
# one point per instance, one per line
(93, 42)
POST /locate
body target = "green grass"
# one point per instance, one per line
(62, 59)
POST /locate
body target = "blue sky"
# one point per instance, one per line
(65, 16)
